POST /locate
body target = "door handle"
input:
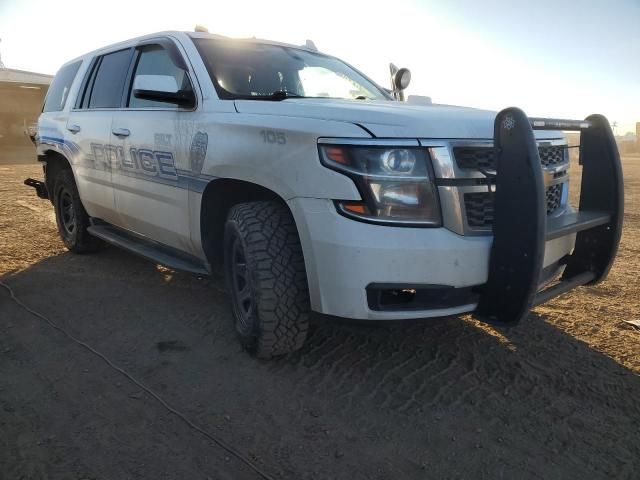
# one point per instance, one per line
(73, 128)
(121, 132)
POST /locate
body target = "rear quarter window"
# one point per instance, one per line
(59, 89)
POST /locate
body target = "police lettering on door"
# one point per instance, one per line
(152, 163)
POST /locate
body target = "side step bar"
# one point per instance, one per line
(521, 227)
(167, 256)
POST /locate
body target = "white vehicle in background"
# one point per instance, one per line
(315, 189)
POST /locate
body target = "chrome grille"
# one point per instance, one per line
(479, 208)
(554, 196)
(551, 156)
(479, 205)
(476, 158)
(480, 212)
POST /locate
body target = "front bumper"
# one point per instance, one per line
(343, 257)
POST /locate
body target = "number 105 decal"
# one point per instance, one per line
(271, 136)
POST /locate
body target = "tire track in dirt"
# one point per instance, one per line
(380, 366)
(462, 369)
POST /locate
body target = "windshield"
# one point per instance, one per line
(248, 70)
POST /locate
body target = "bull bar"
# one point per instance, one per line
(521, 227)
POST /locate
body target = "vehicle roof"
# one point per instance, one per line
(248, 40)
(177, 34)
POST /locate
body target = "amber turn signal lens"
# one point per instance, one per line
(355, 208)
(337, 154)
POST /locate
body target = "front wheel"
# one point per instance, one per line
(265, 273)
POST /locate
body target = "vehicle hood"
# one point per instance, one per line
(387, 119)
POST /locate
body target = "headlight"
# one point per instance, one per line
(398, 161)
(395, 183)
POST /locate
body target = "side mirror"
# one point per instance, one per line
(162, 88)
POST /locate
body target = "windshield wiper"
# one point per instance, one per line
(277, 96)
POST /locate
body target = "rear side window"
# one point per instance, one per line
(59, 89)
(109, 80)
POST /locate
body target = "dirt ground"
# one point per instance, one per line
(558, 396)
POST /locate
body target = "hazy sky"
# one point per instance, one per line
(551, 58)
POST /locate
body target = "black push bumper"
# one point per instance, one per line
(521, 227)
(41, 187)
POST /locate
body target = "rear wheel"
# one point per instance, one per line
(71, 217)
(265, 273)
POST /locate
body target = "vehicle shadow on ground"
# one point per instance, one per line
(451, 397)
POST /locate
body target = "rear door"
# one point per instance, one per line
(89, 132)
(151, 186)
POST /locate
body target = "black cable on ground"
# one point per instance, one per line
(221, 443)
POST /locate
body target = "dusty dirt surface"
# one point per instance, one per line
(556, 397)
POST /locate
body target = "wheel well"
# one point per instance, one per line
(217, 199)
(53, 163)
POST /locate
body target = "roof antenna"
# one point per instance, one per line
(310, 45)
(201, 28)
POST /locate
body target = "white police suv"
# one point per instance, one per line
(316, 189)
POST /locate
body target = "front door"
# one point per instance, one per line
(152, 139)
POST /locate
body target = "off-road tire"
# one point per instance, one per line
(71, 217)
(277, 319)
